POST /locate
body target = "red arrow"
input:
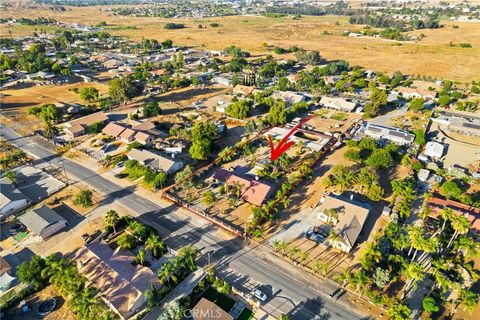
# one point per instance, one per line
(283, 145)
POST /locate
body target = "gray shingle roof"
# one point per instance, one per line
(38, 219)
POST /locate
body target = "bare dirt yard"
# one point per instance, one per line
(439, 47)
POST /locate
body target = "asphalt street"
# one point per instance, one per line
(289, 290)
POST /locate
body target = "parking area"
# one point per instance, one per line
(456, 150)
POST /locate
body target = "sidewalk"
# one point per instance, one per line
(182, 290)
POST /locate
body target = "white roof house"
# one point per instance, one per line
(389, 133)
(434, 150)
(338, 103)
(155, 161)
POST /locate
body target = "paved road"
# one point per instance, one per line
(289, 289)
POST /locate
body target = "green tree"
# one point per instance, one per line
(112, 218)
(127, 241)
(444, 100)
(122, 89)
(155, 245)
(469, 300)
(380, 158)
(399, 311)
(151, 109)
(89, 94)
(140, 257)
(430, 304)
(277, 115)
(30, 272)
(184, 178)
(378, 99)
(451, 189)
(416, 104)
(12, 176)
(84, 198)
(208, 198)
(420, 137)
(239, 109)
(381, 277)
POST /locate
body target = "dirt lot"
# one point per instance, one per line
(318, 33)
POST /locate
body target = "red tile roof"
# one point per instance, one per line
(471, 213)
(254, 192)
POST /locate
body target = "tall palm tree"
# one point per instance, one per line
(414, 273)
(447, 214)
(344, 278)
(188, 255)
(155, 245)
(361, 281)
(415, 235)
(468, 246)
(460, 226)
(112, 218)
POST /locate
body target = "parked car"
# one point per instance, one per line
(256, 293)
(314, 235)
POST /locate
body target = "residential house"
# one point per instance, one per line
(225, 80)
(127, 135)
(6, 278)
(43, 221)
(12, 200)
(79, 126)
(242, 90)
(111, 64)
(351, 216)
(121, 281)
(437, 204)
(206, 310)
(338, 103)
(113, 129)
(410, 93)
(465, 126)
(394, 135)
(253, 191)
(290, 97)
(155, 161)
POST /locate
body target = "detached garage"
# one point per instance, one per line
(43, 221)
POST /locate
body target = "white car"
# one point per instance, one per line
(259, 295)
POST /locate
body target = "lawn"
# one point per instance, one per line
(340, 116)
(246, 314)
(220, 299)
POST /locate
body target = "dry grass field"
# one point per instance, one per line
(431, 56)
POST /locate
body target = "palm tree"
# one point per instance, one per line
(167, 272)
(344, 278)
(304, 257)
(361, 281)
(155, 245)
(320, 267)
(333, 236)
(187, 254)
(140, 258)
(460, 226)
(86, 304)
(416, 239)
(293, 252)
(469, 246)
(371, 255)
(414, 273)
(112, 218)
(468, 300)
(447, 214)
(332, 215)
